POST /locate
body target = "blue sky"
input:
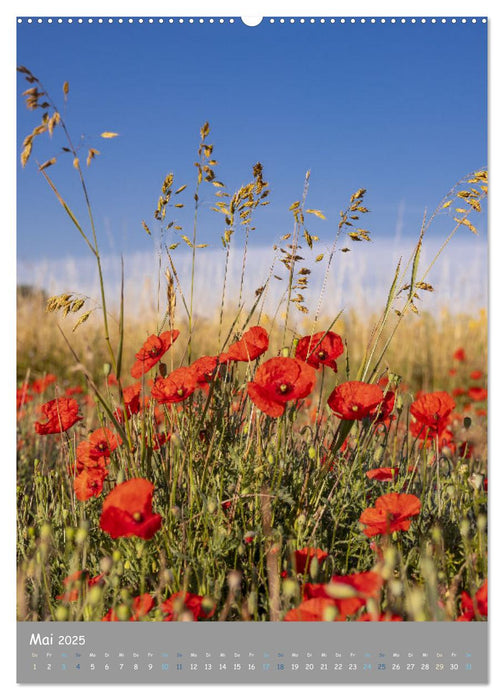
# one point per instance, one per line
(398, 109)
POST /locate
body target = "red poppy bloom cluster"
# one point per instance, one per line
(77, 584)
(252, 344)
(140, 607)
(152, 351)
(320, 349)
(391, 513)
(93, 455)
(187, 607)
(432, 413)
(132, 404)
(204, 370)
(279, 380)
(342, 597)
(382, 474)
(38, 386)
(127, 511)
(303, 558)
(176, 387)
(470, 611)
(96, 450)
(355, 400)
(61, 414)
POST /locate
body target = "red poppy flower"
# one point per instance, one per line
(304, 557)
(78, 582)
(185, 605)
(459, 355)
(476, 374)
(355, 400)
(158, 440)
(467, 604)
(23, 395)
(152, 351)
(477, 393)
(127, 511)
(73, 390)
(384, 408)
(315, 610)
(348, 593)
(131, 396)
(140, 607)
(382, 474)
(40, 385)
(89, 483)
(61, 414)
(252, 344)
(176, 387)
(458, 391)
(433, 411)
(204, 370)
(279, 380)
(132, 402)
(320, 349)
(391, 512)
(96, 450)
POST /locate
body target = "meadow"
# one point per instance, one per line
(259, 463)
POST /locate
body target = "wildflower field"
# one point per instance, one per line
(249, 466)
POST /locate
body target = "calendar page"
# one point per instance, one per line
(252, 349)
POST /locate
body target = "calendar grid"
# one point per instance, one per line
(244, 653)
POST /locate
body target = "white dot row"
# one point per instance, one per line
(272, 20)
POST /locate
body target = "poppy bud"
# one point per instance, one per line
(94, 596)
(45, 531)
(163, 370)
(285, 352)
(61, 613)
(314, 567)
(107, 368)
(211, 506)
(234, 580)
(312, 452)
(299, 522)
(395, 587)
(105, 564)
(123, 612)
(81, 535)
(330, 613)
(464, 528)
(116, 555)
(290, 588)
(476, 480)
